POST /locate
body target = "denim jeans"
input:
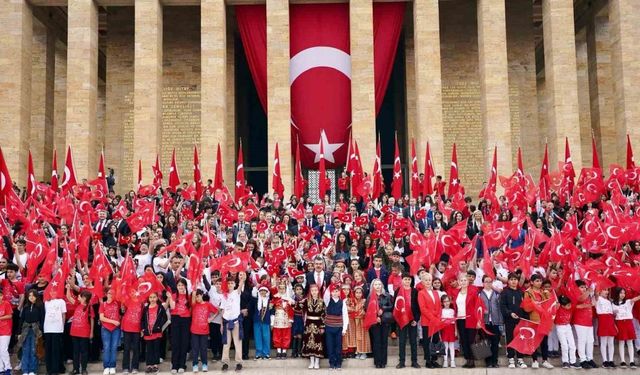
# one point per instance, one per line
(29, 361)
(110, 342)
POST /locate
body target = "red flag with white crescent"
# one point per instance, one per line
(545, 180)
(54, 171)
(31, 178)
(197, 174)
(218, 181)
(69, 175)
(594, 153)
(493, 176)
(157, 173)
(378, 180)
(174, 179)
(415, 180)
(240, 181)
(277, 185)
(402, 307)
(396, 183)
(631, 164)
(454, 181)
(299, 182)
(525, 337)
(427, 188)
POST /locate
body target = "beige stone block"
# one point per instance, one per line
(279, 92)
(494, 83)
(147, 118)
(561, 80)
(584, 100)
(60, 103)
(15, 85)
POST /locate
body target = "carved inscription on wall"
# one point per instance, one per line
(180, 126)
(463, 125)
(127, 144)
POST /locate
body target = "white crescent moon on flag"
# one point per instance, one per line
(395, 304)
(3, 181)
(319, 57)
(234, 263)
(67, 176)
(145, 284)
(609, 233)
(527, 329)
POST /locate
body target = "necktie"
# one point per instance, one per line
(318, 279)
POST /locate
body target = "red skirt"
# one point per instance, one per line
(626, 331)
(606, 325)
(448, 333)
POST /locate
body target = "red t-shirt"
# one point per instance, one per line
(200, 317)
(131, 318)
(180, 308)
(81, 325)
(5, 324)
(12, 290)
(563, 316)
(153, 316)
(110, 311)
(584, 316)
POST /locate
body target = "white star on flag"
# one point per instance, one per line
(328, 148)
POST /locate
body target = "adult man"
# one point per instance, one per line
(318, 276)
(175, 272)
(378, 271)
(323, 228)
(406, 303)
(411, 209)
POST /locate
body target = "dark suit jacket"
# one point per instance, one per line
(384, 276)
(327, 228)
(311, 279)
(170, 280)
(406, 212)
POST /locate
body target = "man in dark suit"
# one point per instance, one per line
(241, 225)
(409, 331)
(102, 225)
(308, 219)
(318, 276)
(411, 209)
(175, 272)
(323, 228)
(392, 205)
(378, 271)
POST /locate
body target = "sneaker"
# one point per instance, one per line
(535, 364)
(585, 365)
(134, 371)
(632, 365)
(400, 365)
(453, 364)
(547, 365)
(575, 365)
(623, 365)
(445, 364)
(565, 365)
(205, 368)
(605, 364)
(593, 364)
(195, 368)
(161, 360)
(238, 367)
(180, 371)
(512, 363)
(112, 370)
(225, 367)
(521, 364)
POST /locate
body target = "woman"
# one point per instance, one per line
(131, 336)
(180, 307)
(81, 331)
(464, 299)
(492, 318)
(312, 339)
(244, 287)
(31, 319)
(110, 319)
(379, 332)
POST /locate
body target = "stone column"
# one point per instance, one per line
(584, 112)
(601, 88)
(363, 100)
(82, 86)
(428, 83)
(15, 85)
(624, 18)
(147, 88)
(494, 83)
(60, 103)
(42, 97)
(561, 80)
(214, 127)
(279, 91)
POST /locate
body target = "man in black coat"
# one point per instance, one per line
(410, 330)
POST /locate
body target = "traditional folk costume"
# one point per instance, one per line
(336, 323)
(297, 329)
(357, 338)
(312, 338)
(281, 320)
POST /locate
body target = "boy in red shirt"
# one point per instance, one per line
(565, 333)
(583, 324)
(81, 331)
(200, 329)
(6, 314)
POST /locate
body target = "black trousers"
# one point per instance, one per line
(426, 344)
(130, 351)
(153, 352)
(542, 349)
(15, 328)
(95, 344)
(53, 354)
(494, 341)
(379, 334)
(408, 332)
(247, 332)
(199, 346)
(509, 326)
(215, 340)
(466, 336)
(180, 336)
(67, 349)
(80, 354)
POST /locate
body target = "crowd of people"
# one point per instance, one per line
(83, 276)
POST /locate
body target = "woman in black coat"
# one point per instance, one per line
(379, 332)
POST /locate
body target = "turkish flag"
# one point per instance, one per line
(396, 183)
(218, 182)
(240, 181)
(276, 183)
(299, 181)
(402, 307)
(526, 338)
(371, 315)
(197, 175)
(630, 161)
(378, 180)
(54, 171)
(545, 180)
(195, 269)
(415, 180)
(427, 188)
(69, 176)
(454, 181)
(174, 179)
(493, 177)
(31, 178)
(157, 173)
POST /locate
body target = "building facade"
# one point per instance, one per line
(142, 77)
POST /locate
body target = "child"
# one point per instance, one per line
(336, 322)
(314, 311)
(448, 334)
(180, 308)
(298, 320)
(81, 330)
(6, 316)
(31, 319)
(583, 324)
(565, 333)
(110, 319)
(55, 309)
(231, 323)
(606, 327)
(262, 323)
(200, 329)
(622, 308)
(131, 328)
(281, 320)
(154, 321)
(357, 337)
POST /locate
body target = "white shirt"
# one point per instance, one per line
(623, 312)
(230, 305)
(53, 310)
(604, 306)
(143, 261)
(461, 303)
(448, 313)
